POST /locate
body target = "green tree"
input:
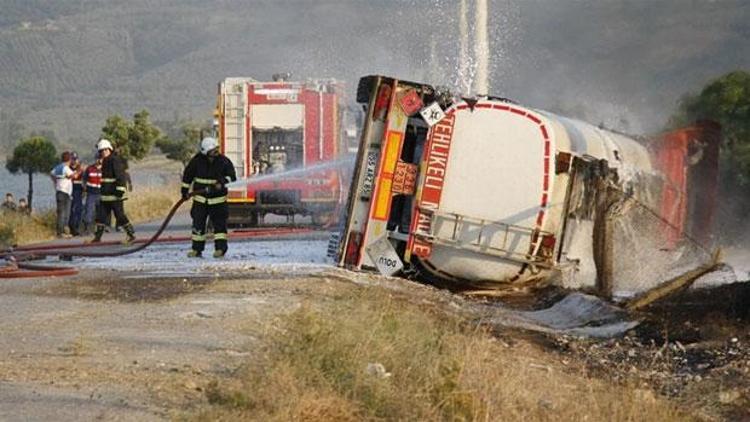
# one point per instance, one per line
(185, 146)
(133, 140)
(725, 100)
(35, 154)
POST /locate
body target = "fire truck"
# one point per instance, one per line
(487, 193)
(280, 135)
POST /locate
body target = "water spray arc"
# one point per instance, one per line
(481, 49)
(472, 70)
(304, 172)
(464, 60)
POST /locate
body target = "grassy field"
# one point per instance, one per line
(143, 204)
(368, 354)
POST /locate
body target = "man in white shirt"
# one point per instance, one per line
(62, 176)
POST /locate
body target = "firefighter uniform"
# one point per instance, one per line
(113, 195)
(208, 173)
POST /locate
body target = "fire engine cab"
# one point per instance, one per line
(276, 134)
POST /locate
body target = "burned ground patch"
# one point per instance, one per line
(692, 347)
(125, 289)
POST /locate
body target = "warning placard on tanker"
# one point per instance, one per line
(432, 114)
(410, 102)
(386, 259)
(404, 178)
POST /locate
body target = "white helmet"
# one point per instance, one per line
(103, 144)
(208, 144)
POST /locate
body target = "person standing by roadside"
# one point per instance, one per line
(92, 179)
(113, 193)
(23, 206)
(10, 203)
(62, 176)
(76, 205)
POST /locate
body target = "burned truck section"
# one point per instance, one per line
(484, 193)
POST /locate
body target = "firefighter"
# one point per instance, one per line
(208, 172)
(112, 193)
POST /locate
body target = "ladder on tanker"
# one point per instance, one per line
(486, 237)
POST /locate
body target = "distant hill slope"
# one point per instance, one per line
(66, 64)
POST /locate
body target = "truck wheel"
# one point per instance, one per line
(364, 89)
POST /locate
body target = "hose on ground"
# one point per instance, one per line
(26, 270)
(17, 268)
(33, 254)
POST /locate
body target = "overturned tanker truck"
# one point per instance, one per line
(484, 193)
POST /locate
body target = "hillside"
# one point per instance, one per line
(66, 64)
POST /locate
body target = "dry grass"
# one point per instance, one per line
(315, 367)
(18, 228)
(146, 204)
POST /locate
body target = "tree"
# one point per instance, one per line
(184, 147)
(35, 154)
(725, 100)
(133, 140)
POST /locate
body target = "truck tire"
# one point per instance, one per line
(364, 89)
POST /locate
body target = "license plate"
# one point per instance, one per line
(370, 168)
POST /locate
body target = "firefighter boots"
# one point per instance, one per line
(98, 234)
(194, 254)
(129, 233)
(219, 253)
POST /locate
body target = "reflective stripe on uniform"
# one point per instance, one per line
(210, 201)
(205, 181)
(199, 237)
(220, 236)
(186, 185)
(229, 179)
(109, 198)
(121, 188)
(108, 180)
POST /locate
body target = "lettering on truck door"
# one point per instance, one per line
(435, 164)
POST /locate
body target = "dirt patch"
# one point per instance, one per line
(127, 290)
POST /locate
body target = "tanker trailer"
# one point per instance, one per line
(486, 193)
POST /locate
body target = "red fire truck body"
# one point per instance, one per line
(276, 134)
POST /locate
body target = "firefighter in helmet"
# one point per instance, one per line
(207, 173)
(113, 193)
